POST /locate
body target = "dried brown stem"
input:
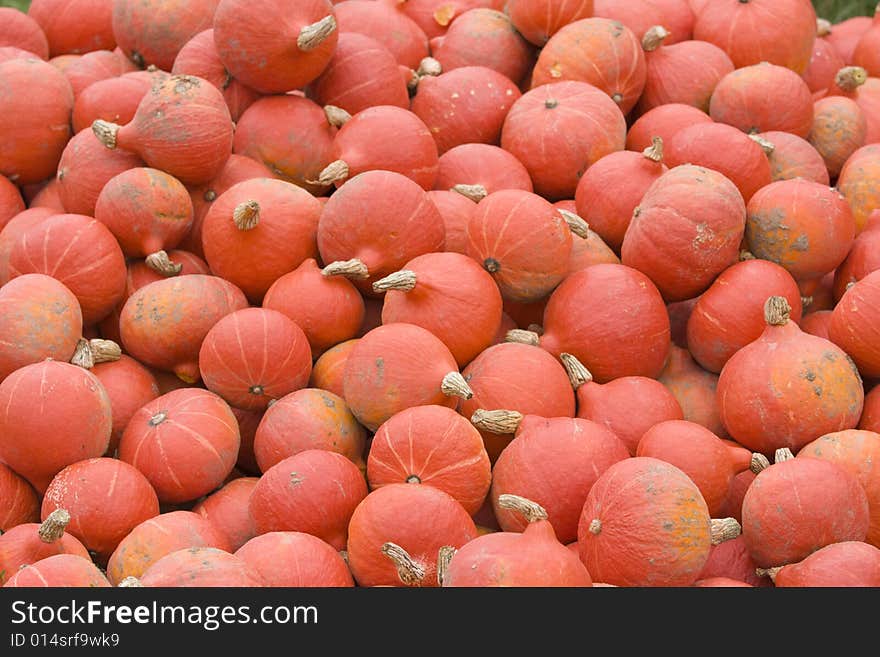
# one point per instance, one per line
(444, 558)
(333, 173)
(766, 145)
(336, 116)
(654, 38)
(476, 193)
(409, 572)
(531, 511)
(783, 454)
(500, 422)
(160, 263)
(654, 152)
(52, 528)
(523, 337)
(576, 224)
(577, 372)
(403, 281)
(312, 36)
(850, 78)
(758, 463)
(354, 269)
(246, 215)
(724, 529)
(105, 132)
(454, 385)
(777, 311)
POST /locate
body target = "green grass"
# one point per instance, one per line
(19, 4)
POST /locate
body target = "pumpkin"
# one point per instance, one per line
(534, 557)
(371, 139)
(114, 100)
(824, 64)
(693, 388)
(435, 446)
(314, 491)
(839, 130)
(477, 170)
(598, 51)
(248, 421)
(11, 202)
(158, 339)
(667, 81)
(821, 293)
(797, 506)
(645, 523)
(33, 136)
(637, 15)
(21, 31)
(227, 509)
(663, 121)
(435, 291)
(679, 314)
(587, 247)
(764, 97)
(723, 149)
(853, 321)
(798, 387)
(610, 190)
(862, 259)
(69, 397)
(466, 105)
(848, 563)
(845, 35)
(361, 73)
(295, 559)
(154, 31)
(538, 20)
(309, 418)
(154, 538)
(180, 108)
(817, 323)
(858, 182)
(129, 385)
(554, 461)
(865, 52)
(372, 316)
(59, 570)
(393, 29)
(15, 228)
(11, 52)
(455, 210)
(39, 318)
(329, 369)
(376, 223)
(730, 314)
(396, 533)
(725, 582)
(397, 366)
(731, 560)
(793, 157)
(29, 542)
(93, 67)
(185, 442)
(201, 567)
(22, 504)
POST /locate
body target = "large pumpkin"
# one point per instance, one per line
(30, 542)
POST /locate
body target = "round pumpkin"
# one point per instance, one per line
(21, 31)
(393, 29)
(731, 560)
(693, 388)
(538, 20)
(227, 509)
(329, 369)
(22, 506)
(129, 385)
(845, 35)
(60, 571)
(825, 62)
(840, 128)
(93, 67)
(848, 563)
(455, 210)
(295, 559)
(793, 157)
(477, 170)
(862, 259)
(201, 567)
(859, 182)
(114, 100)
(865, 51)
(852, 325)
(11, 202)
(29, 542)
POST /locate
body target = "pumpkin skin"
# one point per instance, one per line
(845, 35)
(60, 570)
(693, 388)
(39, 318)
(538, 20)
(556, 461)
(638, 15)
(839, 130)
(467, 105)
(858, 182)
(25, 544)
(31, 143)
(310, 418)
(865, 52)
(862, 259)
(295, 559)
(434, 16)
(793, 157)
(787, 369)
(329, 368)
(93, 67)
(824, 64)
(848, 563)
(730, 314)
(852, 325)
(419, 519)
(686, 231)
(227, 509)
(731, 559)
(598, 51)
(314, 491)
(721, 582)
(158, 339)
(588, 251)
(486, 167)
(644, 523)
(201, 567)
(114, 100)
(129, 385)
(456, 211)
(106, 499)
(393, 29)
(435, 446)
(154, 538)
(789, 219)
(185, 442)
(11, 202)
(69, 396)
(798, 506)
(21, 31)
(663, 122)
(817, 323)
(22, 504)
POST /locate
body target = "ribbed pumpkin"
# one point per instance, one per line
(839, 130)
(555, 462)
(538, 20)
(329, 369)
(114, 100)
(21, 31)
(437, 291)
(804, 226)
(182, 108)
(60, 570)
(853, 324)
(799, 505)
(227, 510)
(693, 388)
(201, 567)
(859, 182)
(599, 51)
(862, 259)
(315, 491)
(610, 190)
(23, 505)
(129, 385)
(723, 149)
(848, 563)
(309, 418)
(435, 446)
(68, 396)
(393, 29)
(397, 366)
(153, 539)
(663, 122)
(396, 533)
(787, 388)
(185, 442)
(295, 559)
(793, 157)
(477, 170)
(731, 559)
(466, 105)
(29, 542)
(39, 318)
(730, 314)
(33, 136)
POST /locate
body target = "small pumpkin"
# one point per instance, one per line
(858, 182)
(23, 505)
(29, 542)
(477, 170)
(59, 570)
(663, 121)
(793, 157)
(848, 563)
(840, 128)
(852, 323)
(329, 369)
(201, 567)
(227, 509)
(295, 559)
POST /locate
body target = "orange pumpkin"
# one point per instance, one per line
(456, 211)
(477, 170)
(865, 51)
(29, 542)
(840, 128)
(793, 157)
(693, 388)
(824, 64)
(329, 369)
(862, 259)
(93, 67)
(663, 121)
(129, 386)
(11, 202)
(23, 505)
(853, 321)
(848, 563)
(295, 559)
(21, 31)
(114, 100)
(60, 570)
(393, 29)
(227, 509)
(731, 559)
(538, 20)
(859, 182)
(201, 567)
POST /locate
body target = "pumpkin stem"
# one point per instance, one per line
(783, 454)
(409, 572)
(160, 263)
(531, 511)
(777, 311)
(767, 146)
(724, 529)
(52, 528)
(745, 254)
(246, 215)
(158, 418)
(806, 302)
(523, 337)
(454, 385)
(577, 372)
(823, 27)
(429, 67)
(89, 353)
(576, 224)
(595, 527)
(105, 132)
(850, 78)
(768, 572)
(444, 558)
(491, 265)
(348, 268)
(654, 38)
(654, 152)
(476, 193)
(536, 328)
(312, 36)
(758, 463)
(344, 555)
(403, 280)
(333, 173)
(130, 582)
(336, 116)
(210, 196)
(500, 421)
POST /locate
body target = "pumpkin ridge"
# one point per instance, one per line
(436, 446)
(201, 440)
(500, 234)
(233, 372)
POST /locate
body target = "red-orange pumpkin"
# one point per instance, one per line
(663, 122)
(129, 385)
(329, 369)
(248, 421)
(824, 64)
(477, 170)
(859, 182)
(227, 509)
(848, 563)
(29, 542)
(11, 202)
(693, 388)
(60, 570)
(862, 259)
(637, 15)
(22, 504)
(845, 35)
(21, 31)
(295, 559)
(393, 29)
(455, 211)
(201, 567)
(94, 67)
(840, 128)
(587, 247)
(538, 20)
(731, 559)
(793, 157)
(865, 53)
(114, 100)
(854, 324)
(817, 323)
